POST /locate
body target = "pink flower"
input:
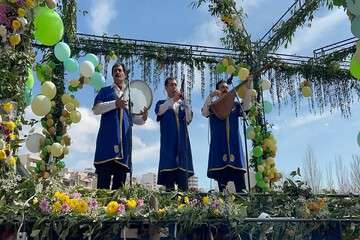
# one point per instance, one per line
(76, 195)
(215, 204)
(7, 13)
(121, 208)
(93, 204)
(44, 206)
(65, 208)
(140, 202)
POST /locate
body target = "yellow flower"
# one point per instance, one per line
(81, 206)
(57, 195)
(131, 203)
(186, 200)
(2, 155)
(217, 211)
(57, 207)
(161, 211)
(205, 200)
(8, 107)
(9, 125)
(29, 3)
(35, 200)
(73, 203)
(112, 208)
(21, 12)
(14, 39)
(12, 136)
(11, 161)
(16, 24)
(181, 206)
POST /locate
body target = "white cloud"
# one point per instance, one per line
(300, 121)
(148, 152)
(308, 37)
(83, 134)
(249, 5)
(102, 14)
(207, 33)
(149, 125)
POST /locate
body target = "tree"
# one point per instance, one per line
(312, 173)
(355, 173)
(342, 176)
(330, 184)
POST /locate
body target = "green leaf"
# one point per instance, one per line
(35, 232)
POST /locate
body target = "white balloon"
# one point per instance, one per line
(34, 141)
(41, 105)
(87, 69)
(48, 89)
(265, 84)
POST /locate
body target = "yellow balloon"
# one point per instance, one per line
(70, 107)
(75, 102)
(56, 149)
(243, 73)
(41, 105)
(66, 98)
(225, 62)
(230, 69)
(75, 116)
(48, 89)
(306, 91)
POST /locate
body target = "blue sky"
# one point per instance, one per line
(175, 21)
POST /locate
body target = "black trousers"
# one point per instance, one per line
(176, 177)
(106, 170)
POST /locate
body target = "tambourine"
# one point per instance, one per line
(140, 95)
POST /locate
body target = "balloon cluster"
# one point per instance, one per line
(305, 88)
(87, 68)
(263, 152)
(233, 21)
(227, 64)
(8, 133)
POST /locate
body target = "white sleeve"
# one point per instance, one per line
(205, 109)
(138, 119)
(188, 113)
(165, 106)
(104, 107)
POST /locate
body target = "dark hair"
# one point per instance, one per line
(123, 67)
(169, 79)
(218, 84)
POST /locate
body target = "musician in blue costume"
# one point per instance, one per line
(113, 145)
(175, 166)
(226, 156)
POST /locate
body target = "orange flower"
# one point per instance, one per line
(16, 24)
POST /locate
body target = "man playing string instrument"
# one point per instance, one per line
(226, 157)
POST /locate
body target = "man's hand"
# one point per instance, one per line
(120, 103)
(144, 113)
(177, 96)
(215, 93)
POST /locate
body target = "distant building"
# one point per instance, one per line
(86, 178)
(193, 183)
(149, 180)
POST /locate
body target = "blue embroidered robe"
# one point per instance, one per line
(175, 149)
(113, 140)
(226, 157)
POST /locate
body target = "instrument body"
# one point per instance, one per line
(140, 96)
(223, 106)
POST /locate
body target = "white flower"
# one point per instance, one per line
(3, 33)
(23, 21)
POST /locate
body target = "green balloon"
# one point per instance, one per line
(338, 2)
(97, 81)
(261, 184)
(49, 28)
(30, 80)
(220, 68)
(355, 26)
(355, 68)
(62, 51)
(353, 6)
(258, 177)
(27, 96)
(92, 58)
(267, 106)
(71, 65)
(257, 151)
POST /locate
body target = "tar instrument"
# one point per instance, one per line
(140, 96)
(223, 106)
